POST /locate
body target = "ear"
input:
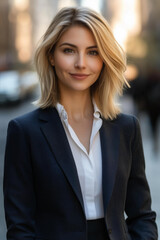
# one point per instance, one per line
(51, 60)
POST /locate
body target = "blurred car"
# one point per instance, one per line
(15, 87)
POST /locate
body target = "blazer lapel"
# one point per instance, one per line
(54, 133)
(109, 135)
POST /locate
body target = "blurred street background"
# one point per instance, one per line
(136, 26)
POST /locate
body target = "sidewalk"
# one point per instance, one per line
(152, 165)
(152, 160)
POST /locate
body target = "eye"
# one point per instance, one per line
(68, 50)
(93, 53)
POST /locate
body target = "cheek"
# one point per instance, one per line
(97, 66)
(100, 66)
(63, 63)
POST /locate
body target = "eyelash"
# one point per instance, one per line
(70, 51)
(93, 53)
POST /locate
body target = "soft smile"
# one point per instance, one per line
(79, 76)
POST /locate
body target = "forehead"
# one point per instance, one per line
(78, 35)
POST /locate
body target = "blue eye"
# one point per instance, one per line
(93, 52)
(68, 50)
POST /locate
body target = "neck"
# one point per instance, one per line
(78, 105)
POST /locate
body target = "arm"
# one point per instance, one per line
(141, 219)
(19, 197)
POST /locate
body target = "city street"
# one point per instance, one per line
(152, 160)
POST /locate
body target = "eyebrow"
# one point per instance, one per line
(74, 46)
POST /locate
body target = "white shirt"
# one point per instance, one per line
(89, 166)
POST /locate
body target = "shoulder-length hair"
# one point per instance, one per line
(111, 80)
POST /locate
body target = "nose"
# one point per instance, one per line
(80, 61)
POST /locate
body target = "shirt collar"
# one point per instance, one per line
(63, 114)
(97, 113)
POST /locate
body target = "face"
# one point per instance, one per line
(76, 60)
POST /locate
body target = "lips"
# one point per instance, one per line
(79, 76)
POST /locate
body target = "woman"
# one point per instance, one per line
(75, 165)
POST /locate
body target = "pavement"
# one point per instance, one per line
(152, 158)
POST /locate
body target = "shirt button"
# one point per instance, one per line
(109, 230)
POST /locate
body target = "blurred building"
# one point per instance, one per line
(125, 19)
(150, 14)
(151, 32)
(16, 26)
(5, 43)
(41, 13)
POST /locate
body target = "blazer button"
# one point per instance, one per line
(109, 230)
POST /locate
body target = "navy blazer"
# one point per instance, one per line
(42, 194)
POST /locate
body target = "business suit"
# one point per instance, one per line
(43, 199)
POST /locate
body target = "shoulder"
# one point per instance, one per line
(23, 123)
(32, 120)
(125, 124)
(37, 114)
(124, 120)
(27, 118)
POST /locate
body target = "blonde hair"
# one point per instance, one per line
(111, 80)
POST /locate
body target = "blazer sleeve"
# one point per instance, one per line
(19, 196)
(141, 219)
